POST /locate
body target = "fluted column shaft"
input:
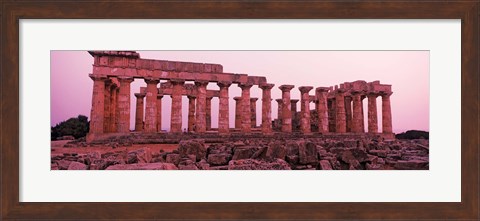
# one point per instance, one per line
(386, 114)
(321, 93)
(113, 110)
(98, 105)
(200, 113)
(253, 112)
(363, 113)
(123, 125)
(107, 120)
(159, 112)
(267, 108)
(238, 112)
(372, 113)
(357, 117)
(151, 106)
(191, 113)
(245, 109)
(305, 124)
(340, 120)
(223, 109)
(348, 113)
(208, 113)
(280, 108)
(139, 112)
(286, 108)
(176, 114)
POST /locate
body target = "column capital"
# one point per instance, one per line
(139, 95)
(294, 101)
(386, 94)
(265, 86)
(125, 79)
(223, 84)
(177, 81)
(209, 98)
(98, 77)
(245, 86)
(286, 87)
(191, 96)
(237, 98)
(201, 83)
(305, 89)
(373, 94)
(322, 89)
(159, 96)
(279, 100)
(151, 81)
(253, 99)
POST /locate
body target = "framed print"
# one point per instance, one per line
(133, 77)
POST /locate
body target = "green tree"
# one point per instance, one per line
(77, 127)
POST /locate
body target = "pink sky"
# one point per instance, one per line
(406, 71)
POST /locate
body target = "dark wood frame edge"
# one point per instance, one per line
(12, 11)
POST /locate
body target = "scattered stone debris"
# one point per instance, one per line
(299, 154)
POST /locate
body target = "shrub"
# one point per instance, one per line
(77, 127)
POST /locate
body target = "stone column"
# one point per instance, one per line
(200, 113)
(386, 114)
(238, 112)
(332, 115)
(357, 113)
(245, 112)
(295, 117)
(139, 112)
(98, 106)
(267, 108)
(340, 123)
(305, 124)
(253, 111)
(208, 113)
(293, 108)
(286, 108)
(159, 112)
(372, 113)
(176, 115)
(280, 108)
(191, 113)
(113, 110)
(151, 106)
(321, 94)
(348, 113)
(123, 125)
(223, 109)
(107, 110)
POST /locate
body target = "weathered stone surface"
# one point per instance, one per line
(244, 152)
(143, 166)
(276, 150)
(173, 158)
(307, 153)
(193, 147)
(325, 165)
(251, 164)
(219, 159)
(63, 164)
(77, 166)
(143, 155)
(411, 165)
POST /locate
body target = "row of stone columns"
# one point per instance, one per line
(199, 114)
(345, 120)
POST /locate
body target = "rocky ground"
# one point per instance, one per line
(298, 154)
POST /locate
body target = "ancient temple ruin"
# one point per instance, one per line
(338, 109)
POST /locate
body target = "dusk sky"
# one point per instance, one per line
(406, 71)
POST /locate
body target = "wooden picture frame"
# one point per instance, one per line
(13, 11)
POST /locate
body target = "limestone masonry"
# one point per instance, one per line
(338, 109)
